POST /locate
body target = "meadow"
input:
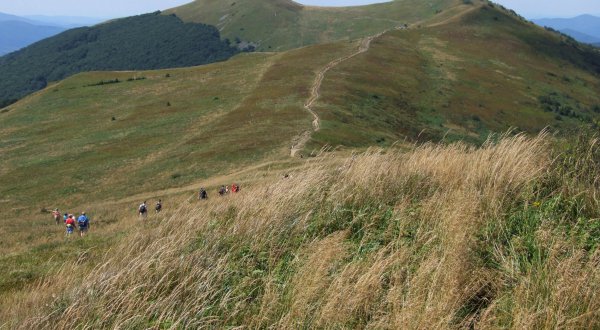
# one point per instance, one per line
(376, 236)
(500, 236)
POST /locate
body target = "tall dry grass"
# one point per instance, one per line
(431, 238)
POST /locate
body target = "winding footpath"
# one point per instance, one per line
(315, 92)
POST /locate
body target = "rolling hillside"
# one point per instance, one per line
(133, 43)
(143, 131)
(275, 25)
(105, 141)
(461, 80)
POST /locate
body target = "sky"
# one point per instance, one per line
(88, 8)
(120, 8)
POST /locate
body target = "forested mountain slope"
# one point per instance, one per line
(150, 41)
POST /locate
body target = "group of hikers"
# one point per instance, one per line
(202, 195)
(82, 222)
(143, 209)
(223, 190)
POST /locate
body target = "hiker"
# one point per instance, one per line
(222, 191)
(65, 217)
(158, 206)
(56, 216)
(70, 223)
(202, 194)
(143, 210)
(84, 224)
(226, 190)
(235, 188)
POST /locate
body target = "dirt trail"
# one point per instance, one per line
(455, 17)
(254, 171)
(315, 92)
(300, 141)
(365, 43)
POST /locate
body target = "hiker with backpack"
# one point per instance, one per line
(143, 210)
(222, 191)
(158, 206)
(202, 194)
(84, 224)
(65, 217)
(70, 224)
(56, 216)
(235, 188)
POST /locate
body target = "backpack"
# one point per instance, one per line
(82, 222)
(143, 208)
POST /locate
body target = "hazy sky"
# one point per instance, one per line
(90, 8)
(552, 8)
(118, 8)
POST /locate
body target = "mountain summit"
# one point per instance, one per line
(275, 25)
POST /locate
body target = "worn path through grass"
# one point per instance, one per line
(315, 91)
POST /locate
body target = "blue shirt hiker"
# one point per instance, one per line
(84, 223)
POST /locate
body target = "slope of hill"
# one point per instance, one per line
(461, 79)
(372, 242)
(103, 146)
(134, 43)
(285, 24)
(584, 28)
(15, 35)
(415, 83)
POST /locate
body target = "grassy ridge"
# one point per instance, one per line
(172, 129)
(480, 72)
(372, 242)
(284, 24)
(178, 129)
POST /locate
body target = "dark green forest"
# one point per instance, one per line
(150, 41)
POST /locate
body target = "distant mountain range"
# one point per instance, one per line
(66, 21)
(584, 28)
(17, 32)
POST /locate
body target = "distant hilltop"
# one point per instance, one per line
(584, 28)
(17, 32)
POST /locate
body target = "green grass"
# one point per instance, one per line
(276, 25)
(61, 147)
(462, 80)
